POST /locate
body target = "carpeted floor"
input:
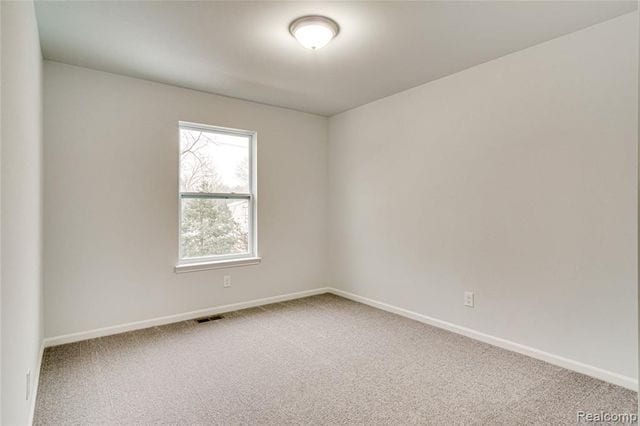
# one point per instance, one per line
(318, 360)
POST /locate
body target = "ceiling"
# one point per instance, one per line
(244, 49)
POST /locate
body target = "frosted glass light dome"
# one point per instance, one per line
(314, 32)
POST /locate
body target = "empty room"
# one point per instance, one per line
(349, 212)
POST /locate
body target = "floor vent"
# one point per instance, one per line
(207, 319)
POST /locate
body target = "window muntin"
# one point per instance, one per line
(217, 194)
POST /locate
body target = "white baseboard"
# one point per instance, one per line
(36, 382)
(137, 325)
(598, 373)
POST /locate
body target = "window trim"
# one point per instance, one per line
(225, 260)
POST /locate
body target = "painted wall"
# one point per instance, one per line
(20, 211)
(516, 180)
(111, 206)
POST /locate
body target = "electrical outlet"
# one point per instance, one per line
(468, 299)
(28, 390)
(227, 281)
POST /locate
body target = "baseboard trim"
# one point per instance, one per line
(36, 382)
(598, 373)
(138, 325)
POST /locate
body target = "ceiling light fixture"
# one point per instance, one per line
(314, 32)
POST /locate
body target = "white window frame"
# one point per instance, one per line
(226, 260)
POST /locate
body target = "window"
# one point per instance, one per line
(217, 197)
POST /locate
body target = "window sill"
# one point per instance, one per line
(218, 264)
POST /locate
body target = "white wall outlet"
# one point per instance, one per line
(28, 390)
(227, 281)
(468, 299)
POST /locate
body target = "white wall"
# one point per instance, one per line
(515, 179)
(21, 212)
(111, 206)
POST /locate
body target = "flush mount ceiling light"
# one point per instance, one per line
(314, 32)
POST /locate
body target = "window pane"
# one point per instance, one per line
(213, 162)
(213, 227)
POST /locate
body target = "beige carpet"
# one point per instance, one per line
(318, 360)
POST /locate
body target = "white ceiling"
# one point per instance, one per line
(244, 49)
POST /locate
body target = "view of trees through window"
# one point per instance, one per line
(214, 192)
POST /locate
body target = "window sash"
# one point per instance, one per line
(215, 195)
(221, 196)
(251, 197)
